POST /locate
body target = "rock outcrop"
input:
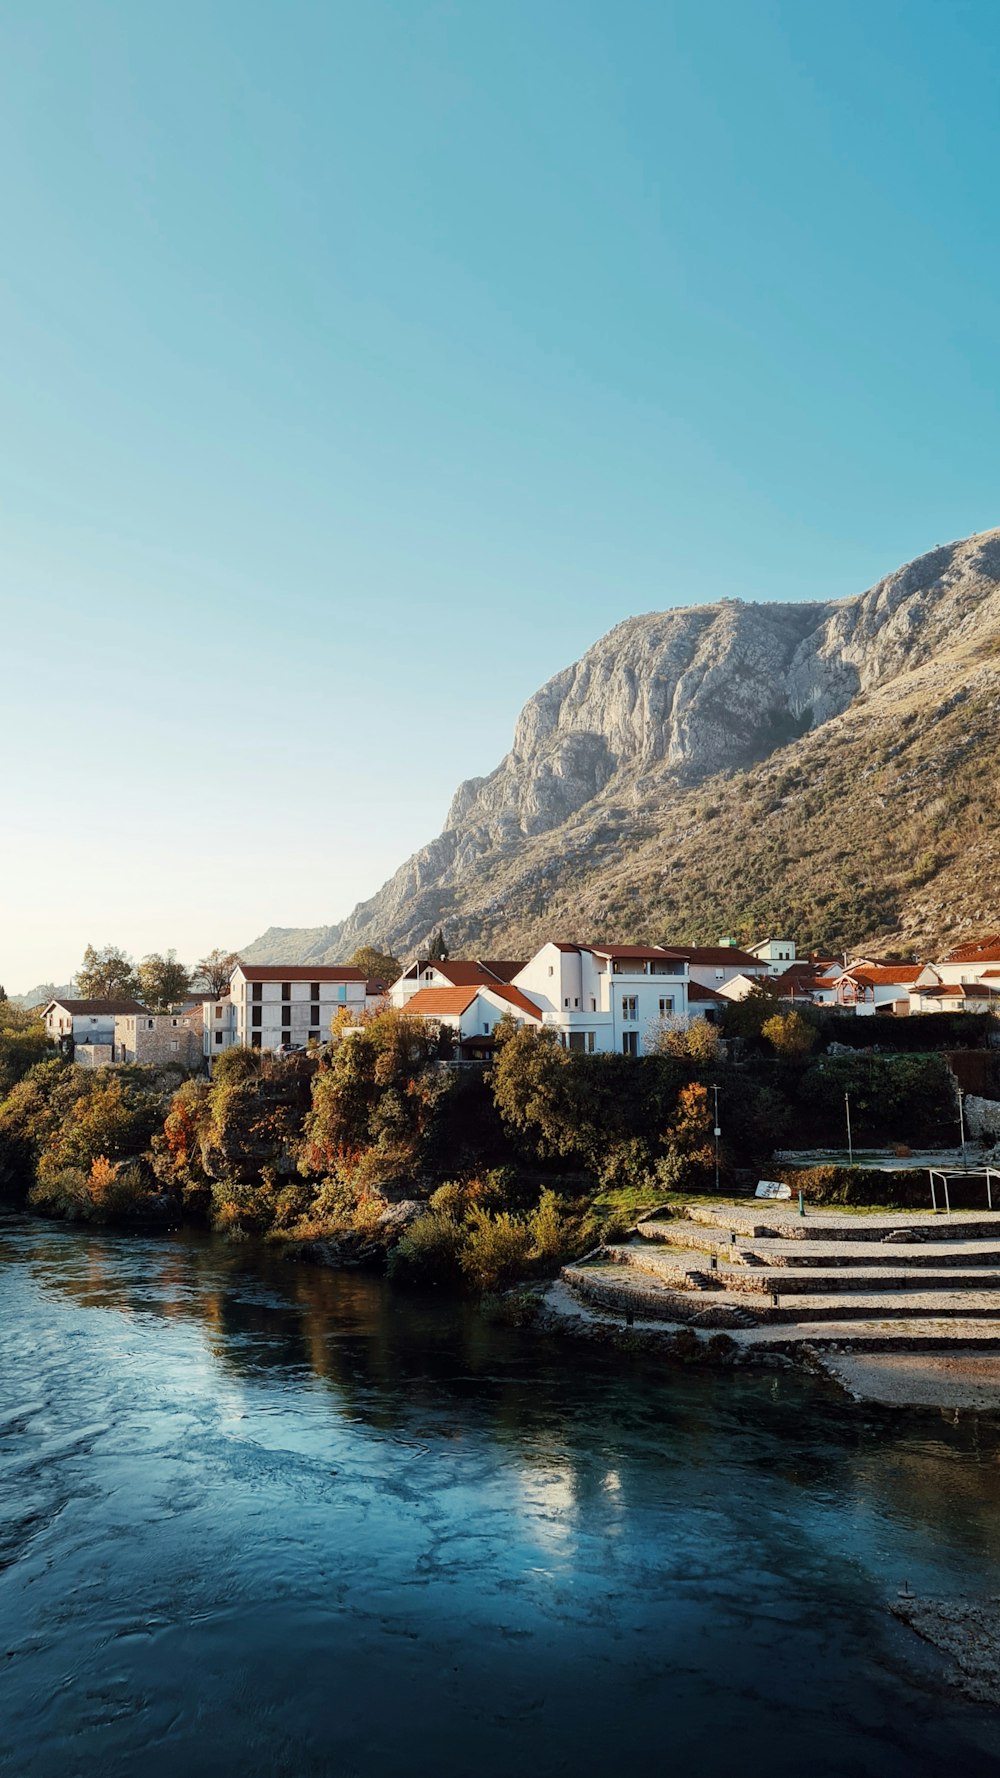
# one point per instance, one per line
(612, 756)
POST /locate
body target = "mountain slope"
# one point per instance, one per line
(825, 768)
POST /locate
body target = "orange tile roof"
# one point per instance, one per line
(885, 974)
(985, 950)
(440, 1001)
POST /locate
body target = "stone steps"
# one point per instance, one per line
(688, 1270)
(765, 1220)
(778, 1282)
(694, 1238)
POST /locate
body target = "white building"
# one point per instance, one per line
(273, 1006)
(869, 988)
(776, 953)
(472, 1013)
(715, 966)
(603, 998)
(435, 972)
(89, 1025)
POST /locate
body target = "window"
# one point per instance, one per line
(486, 1029)
(576, 1040)
(566, 1001)
(551, 970)
(314, 1013)
(218, 1012)
(590, 1043)
(630, 1043)
(256, 990)
(720, 975)
(342, 995)
(630, 1008)
(218, 1037)
(286, 990)
(286, 1035)
(149, 1024)
(175, 1043)
(256, 1015)
(314, 992)
(576, 1002)
(255, 1041)
(593, 1003)
(314, 1037)
(666, 1005)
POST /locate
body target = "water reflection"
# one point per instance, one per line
(261, 1517)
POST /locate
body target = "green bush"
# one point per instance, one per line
(430, 1252)
(496, 1249)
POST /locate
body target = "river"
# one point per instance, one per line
(262, 1519)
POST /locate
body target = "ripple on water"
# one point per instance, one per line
(262, 1519)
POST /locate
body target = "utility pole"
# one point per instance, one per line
(961, 1126)
(718, 1133)
(850, 1143)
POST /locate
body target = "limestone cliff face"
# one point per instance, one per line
(656, 707)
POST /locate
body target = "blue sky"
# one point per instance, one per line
(361, 365)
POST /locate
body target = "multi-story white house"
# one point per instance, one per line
(603, 998)
(274, 1006)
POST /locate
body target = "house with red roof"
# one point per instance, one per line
(448, 972)
(472, 1012)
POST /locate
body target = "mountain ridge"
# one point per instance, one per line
(625, 798)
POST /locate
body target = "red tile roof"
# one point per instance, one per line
(460, 971)
(874, 975)
(504, 991)
(985, 950)
(301, 972)
(716, 954)
(635, 953)
(959, 991)
(97, 1006)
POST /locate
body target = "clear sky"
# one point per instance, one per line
(361, 364)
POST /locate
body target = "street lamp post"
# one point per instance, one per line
(718, 1133)
(850, 1140)
(961, 1126)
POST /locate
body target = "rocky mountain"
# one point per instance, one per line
(827, 768)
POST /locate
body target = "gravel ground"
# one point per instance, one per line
(967, 1631)
(969, 1380)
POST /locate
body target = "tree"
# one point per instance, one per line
(107, 974)
(698, 1040)
(437, 950)
(378, 966)
(162, 980)
(789, 1034)
(214, 971)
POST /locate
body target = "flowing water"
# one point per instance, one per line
(260, 1519)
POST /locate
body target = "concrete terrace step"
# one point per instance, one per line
(769, 1221)
(695, 1238)
(687, 1270)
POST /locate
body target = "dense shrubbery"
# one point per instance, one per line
(467, 1176)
